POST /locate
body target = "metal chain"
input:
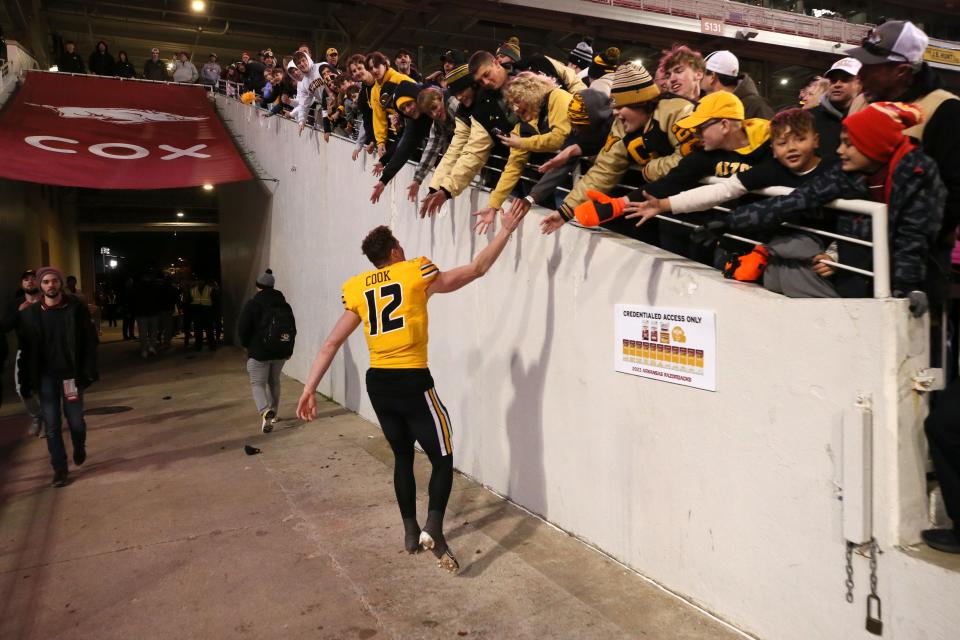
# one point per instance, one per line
(849, 581)
(874, 547)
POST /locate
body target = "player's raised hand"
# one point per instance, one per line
(511, 219)
(307, 406)
(486, 218)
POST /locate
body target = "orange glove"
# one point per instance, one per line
(599, 208)
(748, 268)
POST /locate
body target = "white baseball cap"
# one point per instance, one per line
(847, 65)
(724, 63)
(894, 41)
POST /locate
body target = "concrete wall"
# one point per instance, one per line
(730, 499)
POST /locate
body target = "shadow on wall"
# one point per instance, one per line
(527, 481)
(246, 209)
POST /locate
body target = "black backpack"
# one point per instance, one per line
(278, 330)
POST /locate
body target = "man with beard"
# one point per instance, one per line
(57, 363)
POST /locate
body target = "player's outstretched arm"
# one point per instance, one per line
(307, 407)
(447, 281)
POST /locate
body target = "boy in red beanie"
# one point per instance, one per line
(877, 162)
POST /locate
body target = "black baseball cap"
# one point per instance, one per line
(28, 272)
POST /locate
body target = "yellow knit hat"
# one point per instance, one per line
(632, 84)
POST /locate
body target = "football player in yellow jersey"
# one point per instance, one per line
(391, 303)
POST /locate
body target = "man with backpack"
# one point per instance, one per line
(267, 330)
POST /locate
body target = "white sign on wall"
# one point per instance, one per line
(672, 345)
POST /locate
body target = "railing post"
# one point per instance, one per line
(881, 253)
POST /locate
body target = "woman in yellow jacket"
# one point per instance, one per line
(544, 124)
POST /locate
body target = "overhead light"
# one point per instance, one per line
(198, 5)
(784, 81)
(113, 264)
(208, 187)
(179, 214)
(54, 68)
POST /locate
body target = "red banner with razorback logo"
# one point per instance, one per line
(106, 133)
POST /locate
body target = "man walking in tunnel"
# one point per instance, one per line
(268, 331)
(391, 302)
(57, 362)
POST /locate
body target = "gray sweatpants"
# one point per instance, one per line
(265, 382)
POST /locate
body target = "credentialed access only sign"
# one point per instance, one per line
(672, 345)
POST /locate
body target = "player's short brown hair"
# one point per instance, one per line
(797, 121)
(378, 244)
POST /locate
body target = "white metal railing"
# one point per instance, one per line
(749, 16)
(879, 241)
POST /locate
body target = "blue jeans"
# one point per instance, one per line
(51, 394)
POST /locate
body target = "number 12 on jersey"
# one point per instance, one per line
(383, 322)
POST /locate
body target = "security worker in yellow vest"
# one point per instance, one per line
(201, 309)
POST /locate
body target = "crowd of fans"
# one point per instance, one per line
(601, 141)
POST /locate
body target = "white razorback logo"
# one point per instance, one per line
(117, 115)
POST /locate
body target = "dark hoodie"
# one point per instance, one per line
(827, 122)
(101, 63)
(754, 106)
(123, 68)
(591, 138)
(71, 62)
(250, 326)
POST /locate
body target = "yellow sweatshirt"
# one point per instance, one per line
(380, 123)
(558, 101)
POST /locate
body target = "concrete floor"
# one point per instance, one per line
(170, 531)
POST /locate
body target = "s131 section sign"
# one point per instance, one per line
(672, 345)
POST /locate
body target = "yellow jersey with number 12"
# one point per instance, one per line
(393, 305)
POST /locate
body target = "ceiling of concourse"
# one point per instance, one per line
(426, 28)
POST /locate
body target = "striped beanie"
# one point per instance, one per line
(577, 110)
(510, 48)
(632, 84)
(459, 79)
(582, 54)
(604, 62)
